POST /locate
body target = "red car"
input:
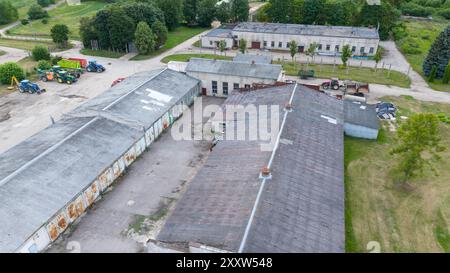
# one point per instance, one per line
(118, 80)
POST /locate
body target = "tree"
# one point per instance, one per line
(36, 12)
(45, 3)
(438, 55)
(173, 12)
(8, 13)
(44, 65)
(418, 134)
(40, 52)
(313, 12)
(190, 11)
(378, 56)
(87, 31)
(144, 39)
(242, 45)
(262, 15)
(311, 51)
(222, 46)
(346, 54)
(293, 49)
(223, 12)
(60, 34)
(143, 11)
(10, 69)
(161, 33)
(385, 15)
(278, 11)
(340, 13)
(239, 10)
(433, 73)
(206, 12)
(102, 29)
(446, 77)
(121, 29)
(296, 11)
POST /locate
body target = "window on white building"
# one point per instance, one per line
(272, 44)
(225, 88)
(214, 87)
(319, 47)
(235, 86)
(353, 49)
(265, 43)
(211, 43)
(280, 44)
(288, 45)
(362, 50)
(328, 47)
(371, 50)
(336, 48)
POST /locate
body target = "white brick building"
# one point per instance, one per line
(331, 39)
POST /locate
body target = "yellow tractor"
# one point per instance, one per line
(14, 82)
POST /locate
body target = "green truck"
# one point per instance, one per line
(73, 67)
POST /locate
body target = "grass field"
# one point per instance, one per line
(63, 14)
(2, 53)
(174, 38)
(102, 53)
(362, 74)
(186, 57)
(28, 45)
(401, 220)
(419, 37)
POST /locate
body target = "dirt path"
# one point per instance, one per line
(12, 54)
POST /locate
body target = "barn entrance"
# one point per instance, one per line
(256, 45)
(301, 49)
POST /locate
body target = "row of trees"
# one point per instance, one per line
(116, 25)
(332, 12)
(203, 12)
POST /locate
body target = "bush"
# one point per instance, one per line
(432, 74)
(40, 53)
(44, 65)
(55, 60)
(24, 22)
(416, 10)
(44, 3)
(10, 69)
(45, 21)
(36, 12)
(60, 34)
(445, 13)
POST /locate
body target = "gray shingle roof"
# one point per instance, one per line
(220, 33)
(40, 175)
(316, 30)
(222, 67)
(249, 58)
(361, 114)
(302, 206)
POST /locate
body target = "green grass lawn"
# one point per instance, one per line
(63, 14)
(420, 36)
(362, 74)
(174, 38)
(412, 219)
(2, 53)
(102, 53)
(28, 45)
(186, 57)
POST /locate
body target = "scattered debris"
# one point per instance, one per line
(386, 110)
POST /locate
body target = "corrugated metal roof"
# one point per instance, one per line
(40, 175)
(361, 114)
(249, 58)
(302, 208)
(222, 67)
(220, 33)
(310, 30)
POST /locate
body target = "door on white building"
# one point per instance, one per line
(301, 49)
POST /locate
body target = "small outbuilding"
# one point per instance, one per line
(360, 120)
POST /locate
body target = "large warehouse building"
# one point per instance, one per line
(48, 180)
(275, 36)
(299, 207)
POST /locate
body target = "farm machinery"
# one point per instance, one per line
(81, 65)
(59, 75)
(93, 66)
(30, 87)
